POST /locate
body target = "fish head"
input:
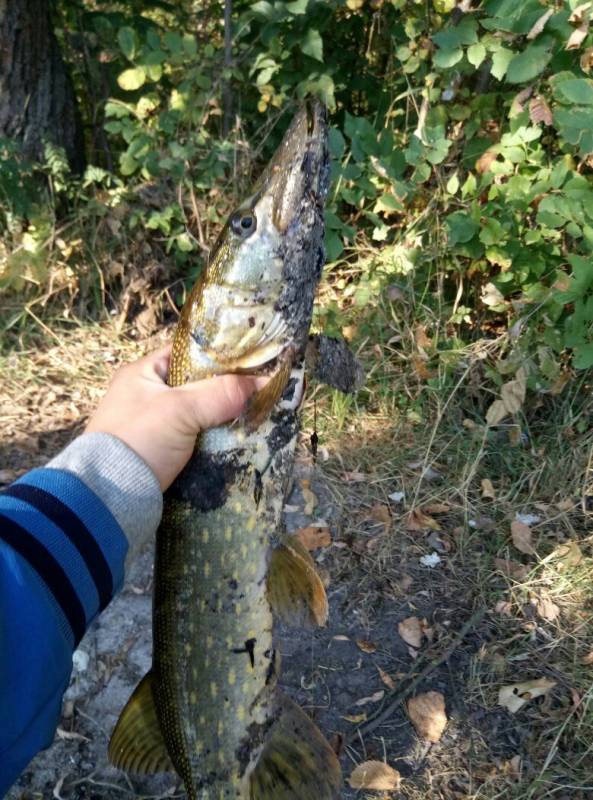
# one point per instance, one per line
(255, 297)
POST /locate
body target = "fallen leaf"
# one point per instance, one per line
(354, 477)
(546, 609)
(374, 775)
(515, 696)
(539, 111)
(339, 637)
(587, 660)
(579, 14)
(436, 508)
(586, 60)
(373, 698)
(420, 368)
(387, 679)
(504, 607)
(521, 535)
(422, 340)
(512, 767)
(496, 413)
(309, 497)
(417, 520)
(405, 582)
(491, 295)
(485, 160)
(513, 392)
(380, 513)
(427, 713)
(410, 629)
(577, 37)
(540, 23)
(512, 568)
(314, 536)
(488, 492)
(355, 718)
(567, 555)
(366, 646)
(565, 505)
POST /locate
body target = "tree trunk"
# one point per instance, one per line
(37, 101)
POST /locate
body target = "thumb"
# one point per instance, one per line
(214, 401)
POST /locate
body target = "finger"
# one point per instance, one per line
(155, 365)
(213, 401)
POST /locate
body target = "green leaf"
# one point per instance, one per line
(529, 64)
(312, 44)
(453, 184)
(297, 7)
(184, 243)
(337, 143)
(173, 42)
(476, 53)
(447, 58)
(461, 227)
(577, 90)
(453, 37)
(126, 38)
(132, 79)
(500, 62)
(583, 356)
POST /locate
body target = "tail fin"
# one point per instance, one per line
(295, 590)
(136, 743)
(296, 762)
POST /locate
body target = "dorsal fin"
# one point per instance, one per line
(295, 590)
(136, 743)
(296, 762)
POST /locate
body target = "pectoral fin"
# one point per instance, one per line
(137, 743)
(296, 762)
(261, 403)
(295, 590)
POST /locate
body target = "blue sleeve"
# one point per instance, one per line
(61, 560)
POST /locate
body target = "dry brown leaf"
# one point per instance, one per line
(386, 678)
(567, 555)
(540, 24)
(374, 775)
(539, 111)
(488, 492)
(354, 477)
(417, 520)
(515, 696)
(309, 497)
(580, 14)
(587, 660)
(565, 505)
(513, 392)
(496, 413)
(380, 513)
(410, 629)
(427, 712)
(504, 607)
(422, 340)
(586, 59)
(355, 718)
(511, 568)
(314, 536)
(484, 161)
(577, 37)
(366, 646)
(421, 369)
(373, 698)
(522, 537)
(436, 508)
(546, 609)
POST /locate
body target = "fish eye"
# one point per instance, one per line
(243, 223)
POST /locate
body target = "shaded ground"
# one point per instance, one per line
(376, 578)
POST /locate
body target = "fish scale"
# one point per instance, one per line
(210, 708)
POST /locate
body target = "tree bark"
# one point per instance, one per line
(37, 101)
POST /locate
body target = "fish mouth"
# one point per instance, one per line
(298, 168)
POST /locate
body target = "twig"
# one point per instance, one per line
(398, 696)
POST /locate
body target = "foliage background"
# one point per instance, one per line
(461, 142)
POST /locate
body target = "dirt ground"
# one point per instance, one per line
(358, 666)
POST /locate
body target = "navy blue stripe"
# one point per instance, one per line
(75, 529)
(49, 570)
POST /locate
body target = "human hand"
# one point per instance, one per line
(159, 422)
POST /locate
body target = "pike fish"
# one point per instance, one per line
(210, 709)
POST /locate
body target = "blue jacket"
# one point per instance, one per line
(62, 556)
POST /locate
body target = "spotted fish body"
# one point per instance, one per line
(210, 708)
